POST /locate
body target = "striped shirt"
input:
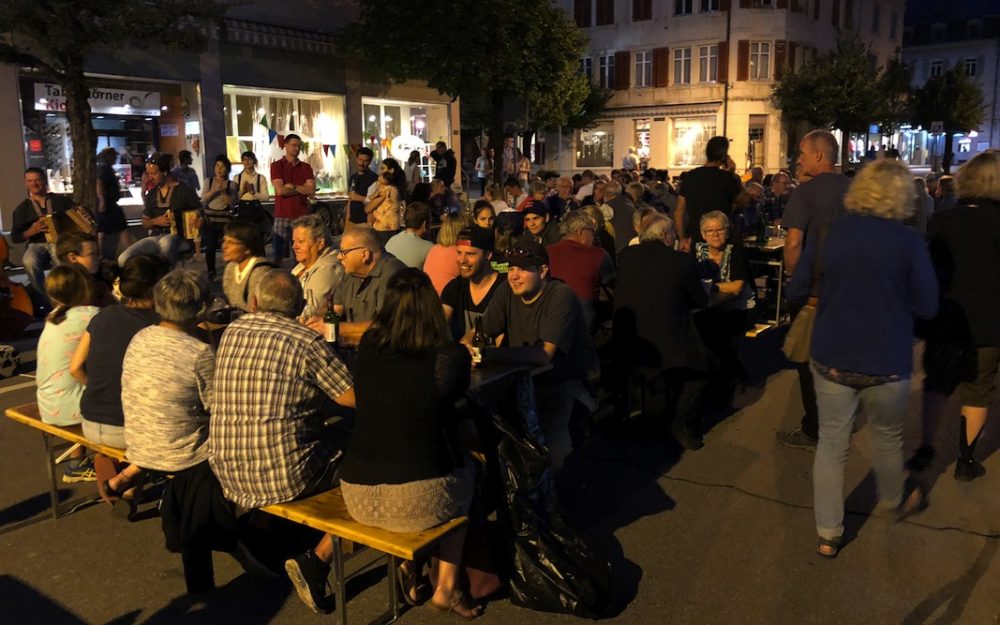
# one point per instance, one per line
(266, 432)
(166, 390)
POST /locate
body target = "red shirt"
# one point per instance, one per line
(579, 266)
(297, 173)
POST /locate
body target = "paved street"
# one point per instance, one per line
(723, 535)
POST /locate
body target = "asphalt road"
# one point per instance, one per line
(720, 536)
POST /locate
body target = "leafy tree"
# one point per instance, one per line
(490, 53)
(954, 99)
(896, 103)
(839, 88)
(56, 37)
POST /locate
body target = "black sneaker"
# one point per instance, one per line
(309, 576)
(797, 439)
(966, 471)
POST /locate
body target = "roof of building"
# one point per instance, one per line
(962, 20)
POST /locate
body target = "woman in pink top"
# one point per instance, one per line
(441, 263)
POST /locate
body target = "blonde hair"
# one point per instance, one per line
(980, 177)
(884, 189)
(451, 225)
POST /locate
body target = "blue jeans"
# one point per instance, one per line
(167, 246)
(884, 406)
(37, 258)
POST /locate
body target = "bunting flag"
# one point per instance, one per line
(271, 134)
(263, 120)
(326, 150)
(281, 141)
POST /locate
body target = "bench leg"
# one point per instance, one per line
(340, 584)
(391, 576)
(53, 485)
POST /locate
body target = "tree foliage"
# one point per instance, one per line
(489, 53)
(840, 88)
(895, 107)
(56, 37)
(954, 99)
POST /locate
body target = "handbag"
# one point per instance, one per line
(799, 338)
(250, 210)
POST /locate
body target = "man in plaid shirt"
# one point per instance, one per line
(266, 434)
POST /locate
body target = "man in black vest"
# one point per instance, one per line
(29, 228)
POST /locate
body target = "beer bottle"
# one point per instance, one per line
(479, 342)
(331, 321)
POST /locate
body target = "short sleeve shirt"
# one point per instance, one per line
(359, 183)
(267, 435)
(456, 295)
(58, 392)
(555, 317)
(410, 249)
(166, 391)
(297, 173)
(363, 297)
(817, 203)
(707, 189)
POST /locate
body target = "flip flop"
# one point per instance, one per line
(828, 547)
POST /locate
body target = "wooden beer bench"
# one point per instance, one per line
(28, 415)
(325, 512)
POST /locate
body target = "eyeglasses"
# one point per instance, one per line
(343, 253)
(717, 231)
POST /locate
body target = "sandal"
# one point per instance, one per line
(457, 600)
(828, 547)
(408, 585)
(108, 494)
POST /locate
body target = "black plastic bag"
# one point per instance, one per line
(552, 569)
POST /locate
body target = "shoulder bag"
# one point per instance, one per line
(799, 338)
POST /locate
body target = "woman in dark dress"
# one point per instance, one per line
(404, 470)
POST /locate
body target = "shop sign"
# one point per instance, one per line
(402, 145)
(49, 97)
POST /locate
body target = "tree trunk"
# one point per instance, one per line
(949, 144)
(84, 140)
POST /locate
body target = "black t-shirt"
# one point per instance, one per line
(464, 311)
(181, 198)
(112, 192)
(360, 182)
(111, 330)
(707, 189)
(555, 317)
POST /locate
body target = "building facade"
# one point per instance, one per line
(941, 38)
(270, 70)
(683, 71)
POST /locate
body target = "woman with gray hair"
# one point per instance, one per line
(963, 340)
(877, 276)
(167, 379)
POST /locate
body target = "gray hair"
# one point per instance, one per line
(537, 187)
(825, 142)
(658, 229)
(280, 293)
(640, 215)
(612, 190)
(710, 215)
(575, 221)
(364, 236)
(181, 296)
(315, 226)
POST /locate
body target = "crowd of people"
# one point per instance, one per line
(571, 276)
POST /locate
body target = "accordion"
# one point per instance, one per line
(76, 219)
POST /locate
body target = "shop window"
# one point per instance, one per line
(644, 68)
(691, 137)
(682, 66)
(760, 60)
(642, 137)
(708, 63)
(596, 147)
(683, 7)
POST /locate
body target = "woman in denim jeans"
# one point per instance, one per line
(875, 277)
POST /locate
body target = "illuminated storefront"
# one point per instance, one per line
(136, 117)
(258, 120)
(395, 128)
(690, 138)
